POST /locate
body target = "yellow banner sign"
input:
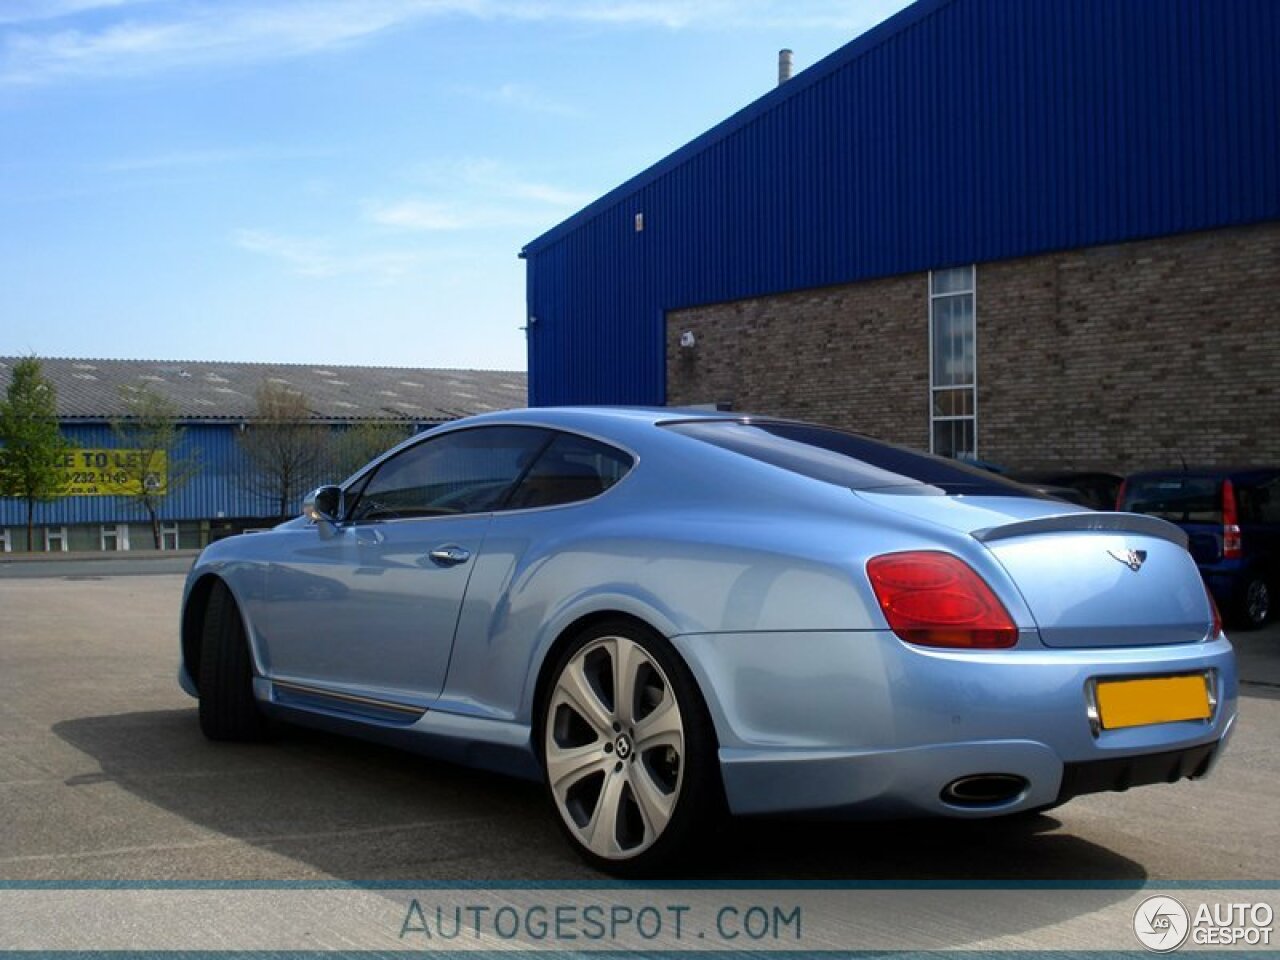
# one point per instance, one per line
(114, 473)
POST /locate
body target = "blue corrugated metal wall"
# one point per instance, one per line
(216, 490)
(960, 131)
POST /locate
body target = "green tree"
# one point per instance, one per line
(34, 449)
(357, 445)
(152, 468)
(285, 449)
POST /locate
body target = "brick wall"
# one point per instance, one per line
(855, 356)
(1120, 357)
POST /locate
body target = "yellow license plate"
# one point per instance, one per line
(1136, 703)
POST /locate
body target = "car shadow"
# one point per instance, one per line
(321, 805)
(357, 811)
(1023, 847)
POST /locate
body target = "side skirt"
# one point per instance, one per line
(482, 742)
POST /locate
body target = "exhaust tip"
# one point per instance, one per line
(984, 790)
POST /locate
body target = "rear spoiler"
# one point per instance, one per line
(1087, 522)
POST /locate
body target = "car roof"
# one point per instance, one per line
(584, 415)
(1074, 474)
(621, 423)
(1205, 472)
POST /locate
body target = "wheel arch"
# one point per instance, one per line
(567, 634)
(702, 797)
(193, 612)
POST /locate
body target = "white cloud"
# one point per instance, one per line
(427, 215)
(476, 194)
(321, 257)
(422, 215)
(468, 195)
(521, 97)
(49, 40)
(32, 11)
(191, 34)
(493, 178)
(545, 193)
(307, 256)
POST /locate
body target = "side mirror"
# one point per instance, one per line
(323, 507)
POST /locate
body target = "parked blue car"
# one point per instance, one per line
(660, 614)
(1232, 518)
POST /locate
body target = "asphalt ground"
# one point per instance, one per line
(104, 776)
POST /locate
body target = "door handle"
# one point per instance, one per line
(449, 556)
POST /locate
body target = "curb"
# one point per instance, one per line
(96, 555)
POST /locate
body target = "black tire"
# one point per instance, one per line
(228, 710)
(698, 795)
(1255, 604)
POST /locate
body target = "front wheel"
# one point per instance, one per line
(628, 750)
(228, 709)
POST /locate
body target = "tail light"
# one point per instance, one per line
(1215, 630)
(1232, 547)
(1124, 488)
(937, 600)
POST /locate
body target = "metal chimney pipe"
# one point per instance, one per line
(784, 66)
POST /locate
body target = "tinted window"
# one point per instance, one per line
(1264, 503)
(572, 468)
(469, 471)
(1259, 502)
(1179, 499)
(847, 459)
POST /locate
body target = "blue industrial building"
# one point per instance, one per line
(1118, 154)
(215, 405)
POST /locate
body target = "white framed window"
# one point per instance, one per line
(953, 363)
(169, 539)
(55, 539)
(6, 545)
(114, 536)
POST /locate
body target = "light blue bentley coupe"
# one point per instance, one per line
(661, 613)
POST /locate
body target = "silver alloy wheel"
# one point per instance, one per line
(614, 746)
(1257, 602)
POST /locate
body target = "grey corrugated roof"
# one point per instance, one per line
(203, 390)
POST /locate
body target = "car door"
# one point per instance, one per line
(490, 662)
(369, 613)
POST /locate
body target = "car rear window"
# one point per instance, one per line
(570, 469)
(847, 459)
(1180, 499)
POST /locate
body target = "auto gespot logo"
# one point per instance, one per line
(1162, 924)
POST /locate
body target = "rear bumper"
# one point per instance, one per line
(861, 724)
(1121, 773)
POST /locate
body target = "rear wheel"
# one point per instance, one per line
(1254, 607)
(628, 750)
(228, 710)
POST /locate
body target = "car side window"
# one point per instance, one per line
(572, 468)
(1261, 503)
(466, 471)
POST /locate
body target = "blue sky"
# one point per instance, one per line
(340, 181)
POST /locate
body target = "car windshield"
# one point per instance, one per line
(848, 459)
(1180, 499)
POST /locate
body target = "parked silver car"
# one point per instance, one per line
(658, 613)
